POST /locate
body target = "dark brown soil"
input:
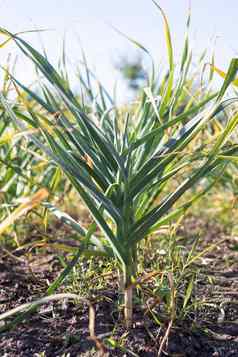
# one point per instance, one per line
(61, 328)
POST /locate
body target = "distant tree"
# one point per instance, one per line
(132, 71)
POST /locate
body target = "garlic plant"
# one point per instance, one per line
(122, 161)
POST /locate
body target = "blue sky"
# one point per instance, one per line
(89, 20)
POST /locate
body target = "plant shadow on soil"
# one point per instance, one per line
(61, 329)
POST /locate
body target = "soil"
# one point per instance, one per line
(62, 328)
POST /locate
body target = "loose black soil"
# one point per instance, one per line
(61, 328)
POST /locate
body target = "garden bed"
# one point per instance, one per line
(61, 328)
